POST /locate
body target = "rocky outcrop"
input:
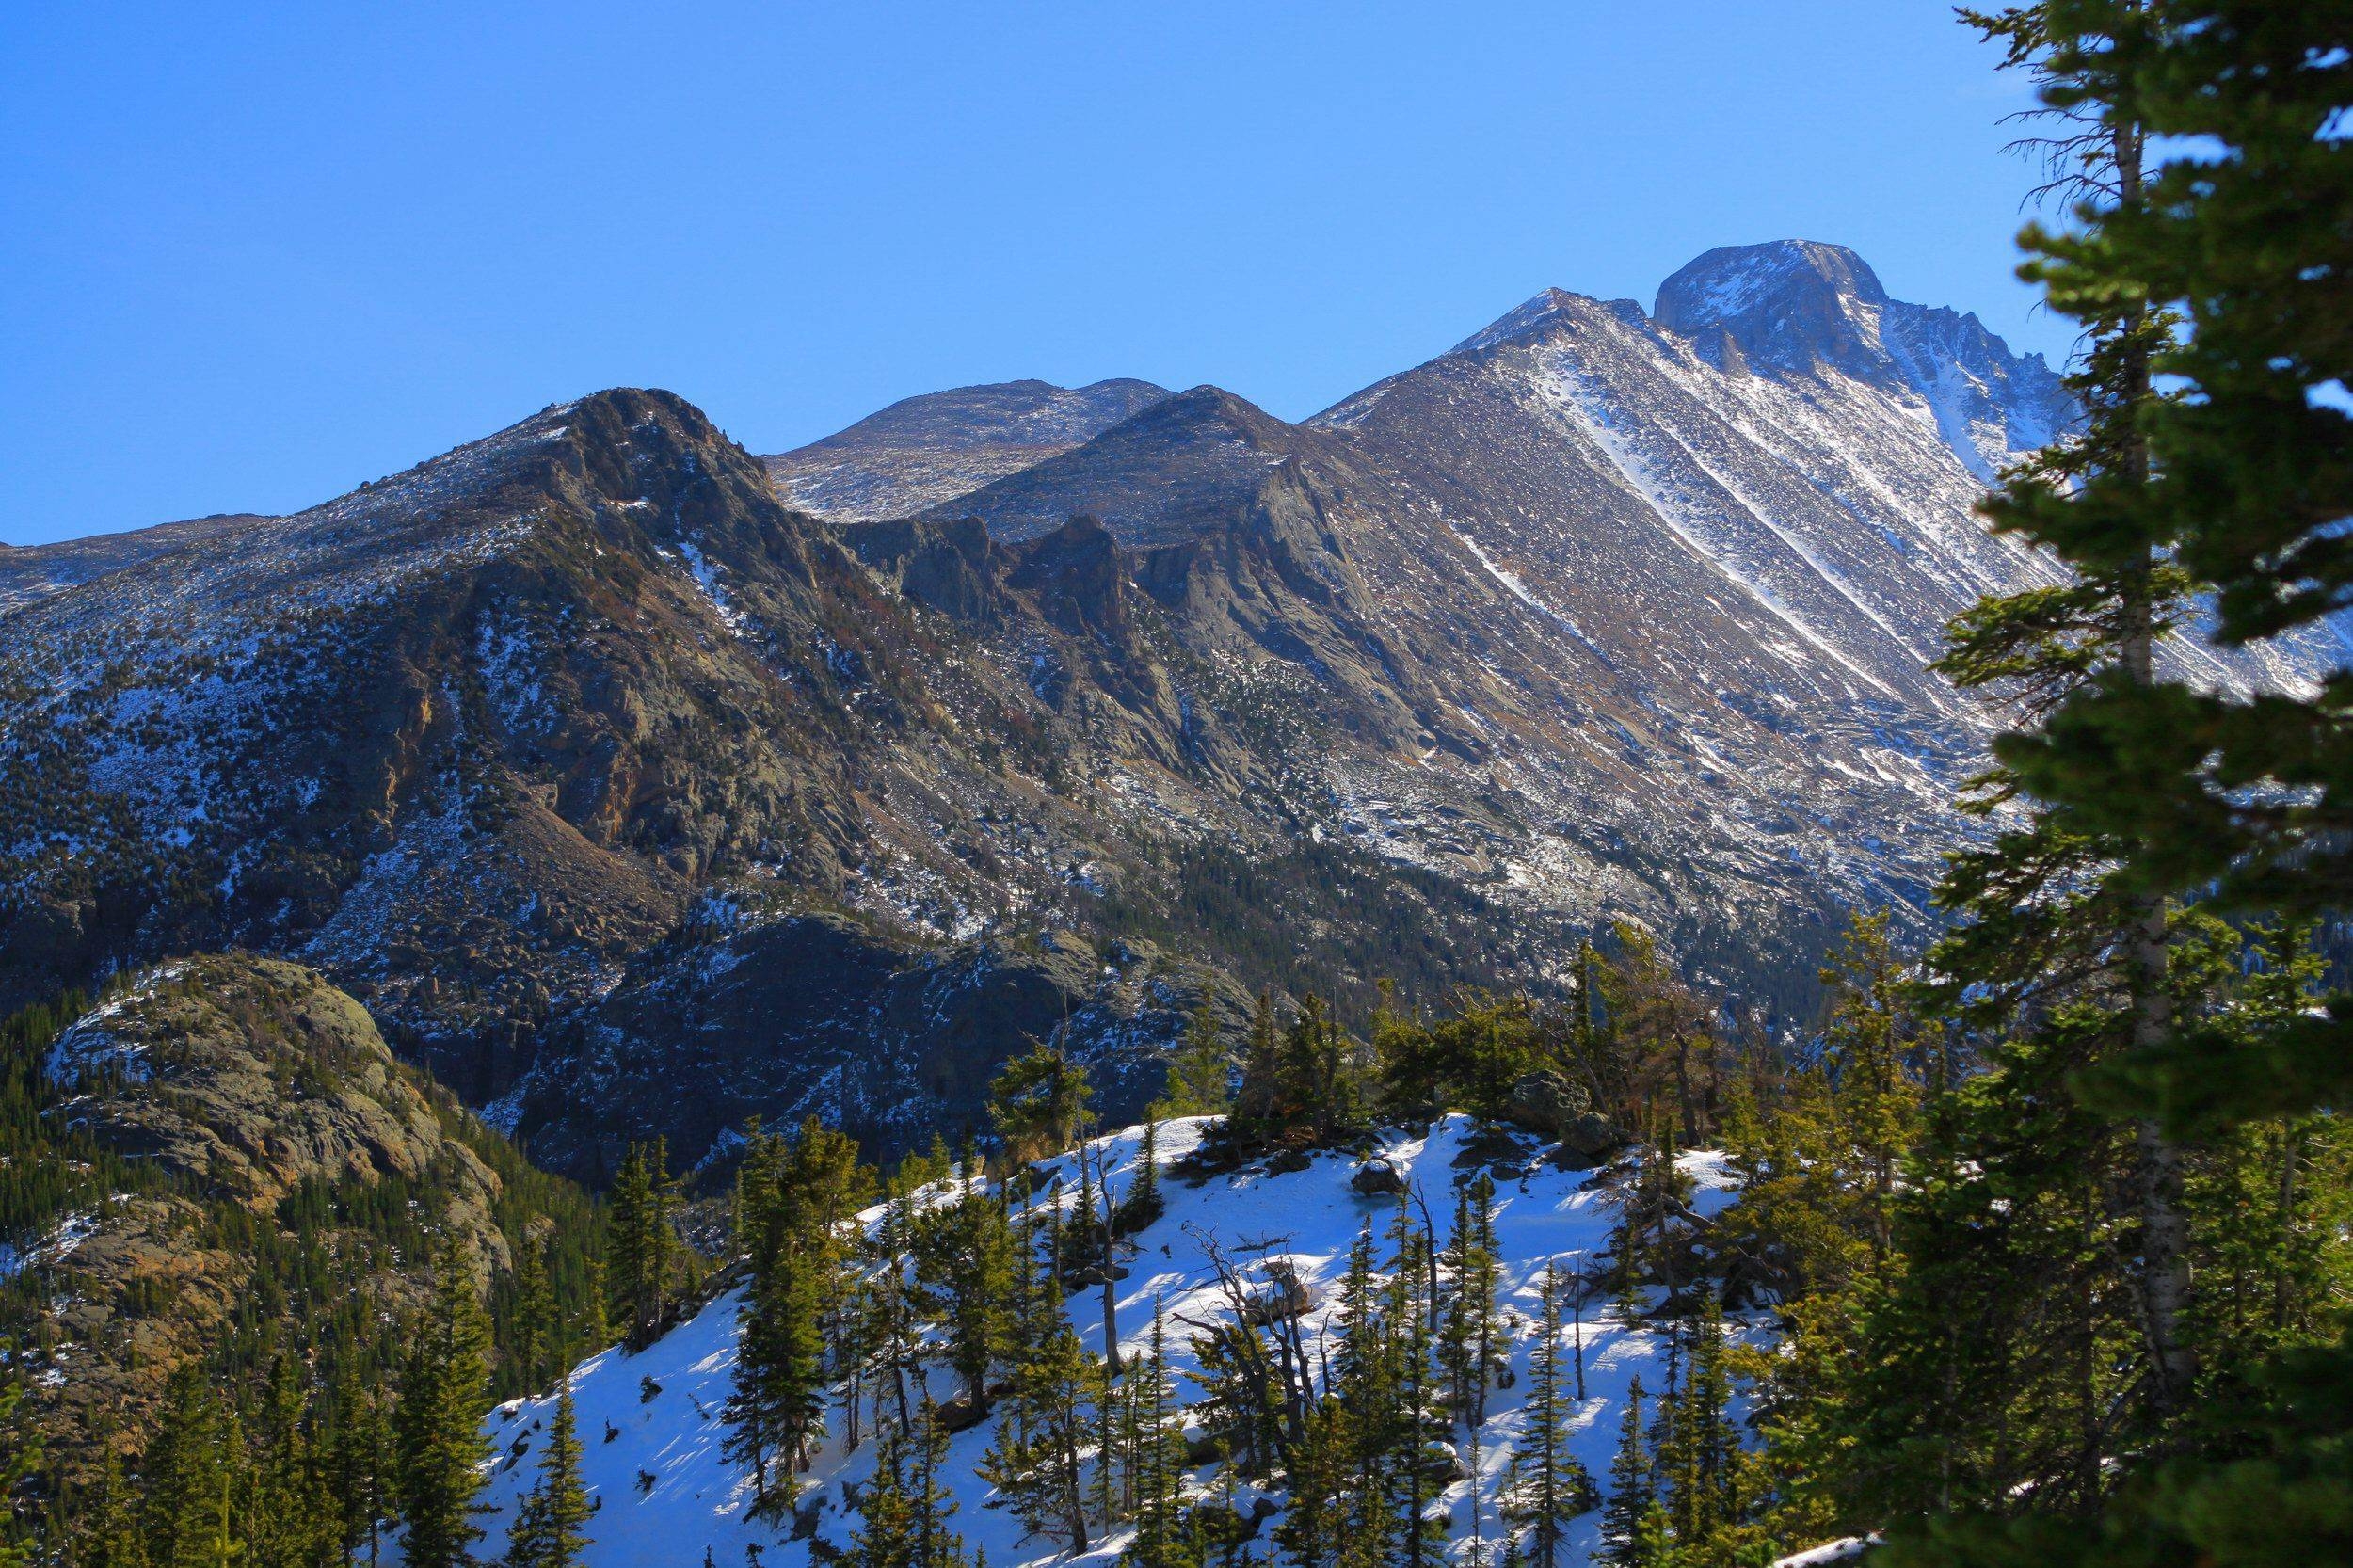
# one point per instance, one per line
(253, 1102)
(248, 1076)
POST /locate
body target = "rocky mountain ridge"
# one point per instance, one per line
(584, 759)
(924, 451)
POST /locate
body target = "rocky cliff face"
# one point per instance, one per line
(813, 1016)
(483, 738)
(585, 761)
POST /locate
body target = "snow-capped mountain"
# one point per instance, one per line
(591, 763)
(653, 1427)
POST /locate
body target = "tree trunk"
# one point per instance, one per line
(2283, 1282)
(1111, 1287)
(2165, 1232)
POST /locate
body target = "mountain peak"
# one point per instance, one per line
(1734, 280)
(1786, 304)
(925, 451)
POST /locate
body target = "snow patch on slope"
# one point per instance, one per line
(666, 1496)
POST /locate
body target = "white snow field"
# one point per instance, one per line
(665, 1497)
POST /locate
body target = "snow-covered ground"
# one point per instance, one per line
(652, 1428)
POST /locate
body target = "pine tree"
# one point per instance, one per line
(1322, 1514)
(190, 1476)
(1165, 1536)
(790, 1200)
(933, 1543)
(967, 1256)
(1200, 1072)
(549, 1526)
(1550, 1486)
(1876, 1098)
(1407, 1445)
(2142, 786)
(1258, 1112)
(1699, 1447)
(540, 1337)
(1038, 1104)
(886, 1536)
(292, 1522)
(1141, 1203)
(359, 1463)
(777, 1407)
(20, 1455)
(444, 1394)
(2052, 900)
(592, 1331)
(1034, 1457)
(110, 1534)
(1633, 1489)
(645, 1261)
(1469, 1338)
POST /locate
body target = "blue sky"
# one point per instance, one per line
(252, 255)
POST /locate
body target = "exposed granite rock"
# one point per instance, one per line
(245, 1081)
(1546, 1102)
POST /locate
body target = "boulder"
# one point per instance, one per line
(1593, 1135)
(1376, 1179)
(959, 1413)
(1492, 1147)
(1546, 1101)
(1288, 1161)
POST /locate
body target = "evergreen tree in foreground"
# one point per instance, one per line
(2238, 486)
(1633, 1489)
(1550, 1486)
(550, 1524)
(1200, 1073)
(1035, 1460)
(1165, 1536)
(444, 1392)
(648, 1260)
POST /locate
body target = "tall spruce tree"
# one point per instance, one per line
(1036, 1456)
(2059, 913)
(551, 1523)
(645, 1260)
(1633, 1488)
(189, 1476)
(1200, 1072)
(444, 1393)
(2242, 799)
(1549, 1485)
(1165, 1536)
(968, 1260)
(777, 1407)
(1038, 1104)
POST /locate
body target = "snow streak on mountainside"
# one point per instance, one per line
(651, 1423)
